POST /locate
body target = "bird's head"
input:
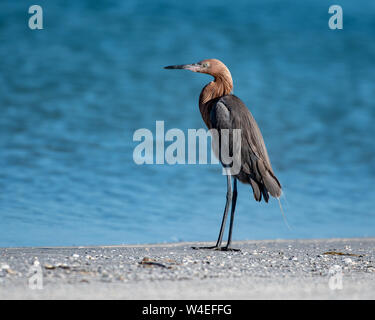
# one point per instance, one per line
(213, 67)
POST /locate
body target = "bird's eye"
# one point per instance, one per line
(205, 65)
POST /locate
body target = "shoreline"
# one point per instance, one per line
(188, 243)
(263, 269)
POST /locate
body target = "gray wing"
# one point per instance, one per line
(229, 112)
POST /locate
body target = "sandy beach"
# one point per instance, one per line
(269, 269)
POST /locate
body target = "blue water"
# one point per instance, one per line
(72, 95)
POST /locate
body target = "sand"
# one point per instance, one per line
(269, 269)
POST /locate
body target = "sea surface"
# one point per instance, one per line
(73, 94)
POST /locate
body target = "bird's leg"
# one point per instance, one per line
(234, 200)
(225, 215)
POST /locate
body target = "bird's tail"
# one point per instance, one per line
(270, 181)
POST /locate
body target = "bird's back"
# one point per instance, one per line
(229, 112)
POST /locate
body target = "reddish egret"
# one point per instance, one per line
(220, 110)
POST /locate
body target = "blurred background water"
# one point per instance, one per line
(72, 95)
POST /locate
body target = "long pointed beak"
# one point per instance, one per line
(195, 67)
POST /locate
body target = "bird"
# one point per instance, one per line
(221, 109)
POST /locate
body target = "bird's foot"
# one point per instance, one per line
(229, 249)
(207, 248)
(226, 248)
